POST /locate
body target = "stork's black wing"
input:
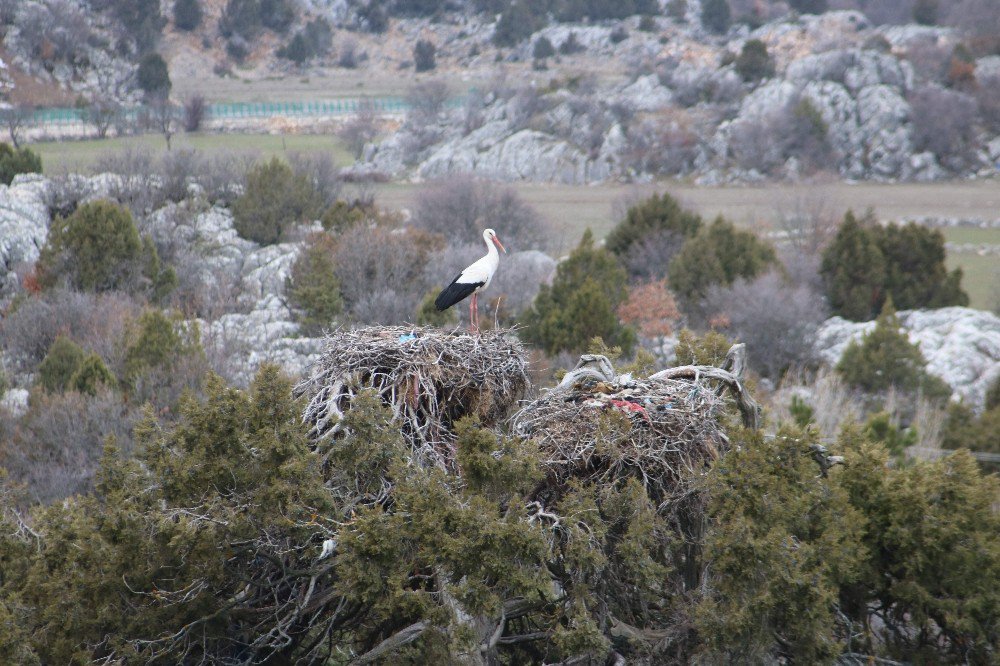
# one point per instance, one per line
(455, 292)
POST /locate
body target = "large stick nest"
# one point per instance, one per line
(663, 430)
(428, 377)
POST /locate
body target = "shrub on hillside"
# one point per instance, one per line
(91, 376)
(581, 303)
(17, 160)
(854, 270)
(517, 22)
(313, 288)
(59, 366)
(152, 76)
(98, 248)
(187, 14)
(716, 15)
(775, 318)
(381, 272)
(57, 446)
(423, 55)
(297, 50)
(542, 49)
(163, 359)
(783, 543)
(142, 20)
(274, 200)
(96, 321)
(754, 63)
(944, 123)
(885, 358)
(459, 209)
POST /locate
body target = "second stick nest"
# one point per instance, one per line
(660, 431)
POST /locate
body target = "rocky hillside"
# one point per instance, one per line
(578, 102)
(834, 94)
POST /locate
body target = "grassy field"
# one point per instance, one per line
(568, 209)
(80, 156)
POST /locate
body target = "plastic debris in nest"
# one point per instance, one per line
(663, 430)
(429, 378)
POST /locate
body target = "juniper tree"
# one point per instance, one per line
(718, 255)
(581, 303)
(853, 270)
(274, 199)
(655, 215)
(886, 358)
(312, 286)
(98, 248)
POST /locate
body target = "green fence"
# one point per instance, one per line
(70, 116)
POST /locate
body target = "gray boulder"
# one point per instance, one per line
(24, 221)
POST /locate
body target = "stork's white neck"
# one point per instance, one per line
(491, 250)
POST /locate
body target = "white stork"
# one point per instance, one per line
(473, 279)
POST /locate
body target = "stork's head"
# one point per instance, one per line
(490, 236)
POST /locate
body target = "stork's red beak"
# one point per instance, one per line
(499, 244)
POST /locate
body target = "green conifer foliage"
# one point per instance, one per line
(17, 160)
(716, 15)
(581, 303)
(709, 349)
(886, 358)
(933, 559)
(866, 263)
(754, 62)
(275, 198)
(91, 375)
(98, 248)
(853, 270)
(655, 214)
(782, 543)
(313, 288)
(916, 276)
(187, 14)
(60, 364)
(719, 255)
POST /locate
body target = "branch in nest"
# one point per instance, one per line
(397, 640)
(729, 374)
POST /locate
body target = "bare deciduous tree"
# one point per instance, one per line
(460, 208)
(14, 119)
(775, 319)
(943, 123)
(164, 116)
(101, 112)
(360, 129)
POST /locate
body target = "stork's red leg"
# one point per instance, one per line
(472, 314)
